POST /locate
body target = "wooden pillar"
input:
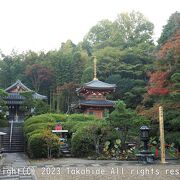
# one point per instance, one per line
(161, 128)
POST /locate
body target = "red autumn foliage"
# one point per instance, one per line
(158, 91)
(158, 78)
(172, 43)
(158, 83)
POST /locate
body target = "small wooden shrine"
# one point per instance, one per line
(14, 100)
(94, 97)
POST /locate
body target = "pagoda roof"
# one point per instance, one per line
(96, 84)
(97, 103)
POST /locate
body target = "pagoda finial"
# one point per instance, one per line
(95, 68)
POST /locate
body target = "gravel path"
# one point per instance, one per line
(80, 169)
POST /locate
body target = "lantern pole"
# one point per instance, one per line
(161, 128)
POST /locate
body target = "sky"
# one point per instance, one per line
(42, 25)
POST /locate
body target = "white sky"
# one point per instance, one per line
(44, 24)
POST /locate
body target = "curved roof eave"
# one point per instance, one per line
(96, 84)
(18, 82)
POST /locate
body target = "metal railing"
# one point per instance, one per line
(16, 118)
(10, 137)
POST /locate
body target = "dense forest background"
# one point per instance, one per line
(146, 73)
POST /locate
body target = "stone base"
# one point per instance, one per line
(145, 158)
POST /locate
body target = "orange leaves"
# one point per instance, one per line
(157, 83)
(158, 78)
(172, 43)
(158, 91)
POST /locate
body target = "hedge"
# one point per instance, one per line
(82, 143)
(34, 129)
(80, 117)
(83, 140)
(38, 144)
(45, 118)
(36, 147)
(37, 140)
(72, 126)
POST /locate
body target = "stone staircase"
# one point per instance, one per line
(65, 151)
(17, 139)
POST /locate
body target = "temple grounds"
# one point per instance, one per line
(18, 166)
(73, 168)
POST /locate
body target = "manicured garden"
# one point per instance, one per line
(88, 136)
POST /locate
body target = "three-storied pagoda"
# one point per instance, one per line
(94, 97)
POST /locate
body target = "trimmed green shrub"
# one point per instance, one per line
(82, 143)
(43, 144)
(81, 117)
(40, 144)
(37, 143)
(37, 131)
(87, 139)
(36, 147)
(73, 126)
(45, 118)
(59, 117)
(32, 127)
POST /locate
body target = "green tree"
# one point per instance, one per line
(87, 75)
(78, 65)
(39, 75)
(172, 25)
(66, 95)
(3, 108)
(40, 107)
(11, 68)
(126, 121)
(68, 47)
(131, 29)
(163, 85)
(99, 34)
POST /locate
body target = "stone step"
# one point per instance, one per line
(17, 147)
(14, 142)
(13, 151)
(17, 139)
(67, 155)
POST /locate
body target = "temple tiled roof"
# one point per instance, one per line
(96, 84)
(39, 96)
(98, 103)
(17, 83)
(16, 97)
